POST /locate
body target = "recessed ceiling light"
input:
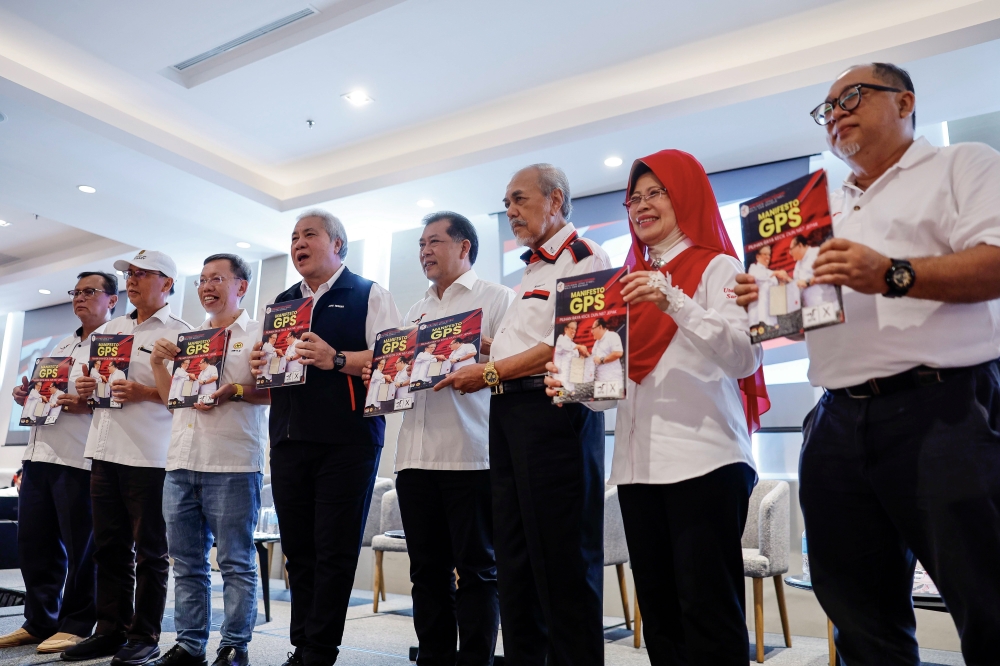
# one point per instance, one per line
(425, 203)
(613, 162)
(4, 223)
(357, 97)
(44, 291)
(243, 245)
(86, 189)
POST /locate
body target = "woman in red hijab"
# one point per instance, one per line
(682, 460)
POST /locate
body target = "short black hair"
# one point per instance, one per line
(600, 321)
(800, 240)
(239, 267)
(109, 281)
(459, 229)
(897, 77)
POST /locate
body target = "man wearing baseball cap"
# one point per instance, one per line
(128, 447)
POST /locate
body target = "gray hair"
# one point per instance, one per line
(552, 178)
(334, 228)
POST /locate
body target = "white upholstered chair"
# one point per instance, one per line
(765, 552)
(615, 547)
(389, 520)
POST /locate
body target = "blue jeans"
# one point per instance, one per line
(201, 508)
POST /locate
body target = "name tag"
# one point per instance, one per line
(334, 305)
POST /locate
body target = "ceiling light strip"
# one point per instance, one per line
(239, 41)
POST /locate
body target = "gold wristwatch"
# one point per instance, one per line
(490, 375)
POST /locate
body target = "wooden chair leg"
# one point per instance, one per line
(833, 647)
(758, 616)
(378, 581)
(284, 569)
(779, 591)
(624, 590)
(637, 624)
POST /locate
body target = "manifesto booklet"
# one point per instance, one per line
(392, 365)
(782, 232)
(445, 345)
(49, 380)
(284, 324)
(591, 331)
(110, 356)
(198, 367)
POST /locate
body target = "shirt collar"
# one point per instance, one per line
(329, 283)
(467, 279)
(553, 247)
(163, 314)
(682, 245)
(918, 151)
(241, 321)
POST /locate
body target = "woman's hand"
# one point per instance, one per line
(638, 290)
(746, 290)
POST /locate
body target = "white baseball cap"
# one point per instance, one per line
(150, 260)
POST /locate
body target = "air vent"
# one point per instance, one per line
(250, 36)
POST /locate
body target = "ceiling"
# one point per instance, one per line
(464, 93)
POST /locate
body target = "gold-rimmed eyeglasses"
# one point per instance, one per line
(637, 199)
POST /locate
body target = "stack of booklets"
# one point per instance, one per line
(110, 356)
(49, 380)
(392, 364)
(591, 331)
(782, 233)
(198, 367)
(284, 325)
(445, 345)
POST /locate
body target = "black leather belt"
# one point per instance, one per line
(917, 377)
(521, 385)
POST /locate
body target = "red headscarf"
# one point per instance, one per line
(697, 212)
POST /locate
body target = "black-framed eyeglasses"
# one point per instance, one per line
(141, 273)
(637, 199)
(848, 101)
(87, 293)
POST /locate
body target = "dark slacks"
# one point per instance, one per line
(895, 478)
(322, 493)
(55, 541)
(687, 562)
(448, 520)
(130, 549)
(547, 472)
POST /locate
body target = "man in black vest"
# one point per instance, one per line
(324, 454)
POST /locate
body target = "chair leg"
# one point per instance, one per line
(378, 580)
(779, 591)
(637, 638)
(284, 569)
(829, 638)
(758, 616)
(624, 590)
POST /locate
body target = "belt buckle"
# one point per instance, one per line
(855, 397)
(928, 373)
(498, 389)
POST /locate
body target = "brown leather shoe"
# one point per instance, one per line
(59, 643)
(18, 638)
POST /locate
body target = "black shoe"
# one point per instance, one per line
(136, 653)
(178, 656)
(230, 656)
(98, 645)
(294, 659)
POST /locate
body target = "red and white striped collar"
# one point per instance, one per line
(550, 251)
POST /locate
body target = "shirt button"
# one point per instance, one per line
(857, 208)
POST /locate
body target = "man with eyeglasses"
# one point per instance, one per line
(901, 459)
(55, 534)
(214, 475)
(128, 447)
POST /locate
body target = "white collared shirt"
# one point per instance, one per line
(63, 442)
(447, 430)
(231, 436)
(686, 418)
(933, 202)
(531, 317)
(382, 311)
(138, 434)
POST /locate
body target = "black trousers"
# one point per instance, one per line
(55, 541)
(687, 562)
(130, 549)
(321, 494)
(448, 520)
(547, 472)
(895, 478)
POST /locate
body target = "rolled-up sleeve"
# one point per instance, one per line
(976, 188)
(382, 313)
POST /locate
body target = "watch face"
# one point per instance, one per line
(902, 277)
(491, 377)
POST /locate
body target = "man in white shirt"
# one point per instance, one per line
(293, 366)
(422, 363)
(180, 376)
(546, 462)
(214, 474)
(442, 464)
(607, 353)
(129, 451)
(55, 534)
(376, 380)
(812, 293)
(402, 379)
(760, 312)
(901, 459)
(270, 352)
(208, 379)
(324, 451)
(462, 354)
